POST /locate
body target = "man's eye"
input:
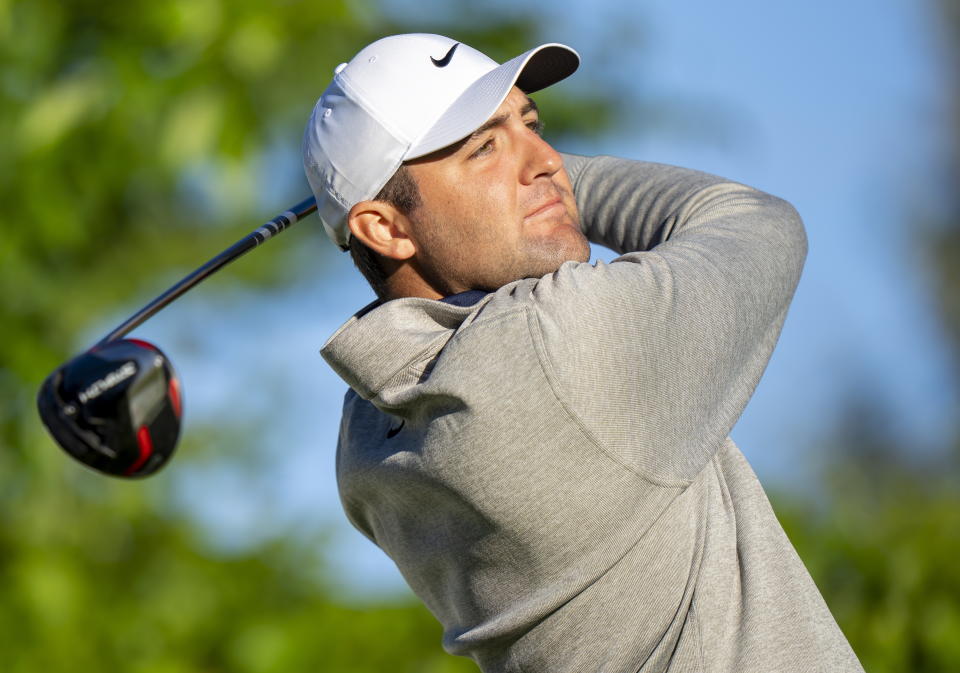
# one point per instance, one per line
(483, 149)
(536, 126)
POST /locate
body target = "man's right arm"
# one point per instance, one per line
(631, 206)
(658, 352)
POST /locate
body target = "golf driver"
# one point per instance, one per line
(117, 407)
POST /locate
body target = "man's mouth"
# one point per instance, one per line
(544, 208)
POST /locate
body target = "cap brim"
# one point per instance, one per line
(531, 71)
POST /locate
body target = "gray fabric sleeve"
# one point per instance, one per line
(658, 352)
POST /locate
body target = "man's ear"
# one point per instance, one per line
(382, 228)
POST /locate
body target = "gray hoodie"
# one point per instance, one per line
(550, 466)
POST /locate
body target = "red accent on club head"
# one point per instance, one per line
(174, 391)
(146, 449)
(145, 344)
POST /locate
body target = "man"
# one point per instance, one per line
(540, 444)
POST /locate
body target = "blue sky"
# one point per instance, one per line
(837, 107)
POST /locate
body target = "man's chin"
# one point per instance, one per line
(565, 244)
(572, 245)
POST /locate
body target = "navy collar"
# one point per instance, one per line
(468, 298)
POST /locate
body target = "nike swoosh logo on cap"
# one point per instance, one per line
(442, 63)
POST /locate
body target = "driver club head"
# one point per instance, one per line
(115, 408)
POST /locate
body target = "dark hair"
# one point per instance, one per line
(402, 193)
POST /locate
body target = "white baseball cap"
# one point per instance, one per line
(403, 97)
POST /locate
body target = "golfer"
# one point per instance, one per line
(540, 443)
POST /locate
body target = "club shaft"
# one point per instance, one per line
(244, 245)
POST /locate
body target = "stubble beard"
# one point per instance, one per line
(453, 265)
(544, 255)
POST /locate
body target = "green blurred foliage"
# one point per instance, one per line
(140, 138)
(881, 543)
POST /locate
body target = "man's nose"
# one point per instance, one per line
(541, 160)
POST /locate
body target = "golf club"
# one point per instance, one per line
(117, 407)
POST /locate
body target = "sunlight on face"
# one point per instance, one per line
(496, 207)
